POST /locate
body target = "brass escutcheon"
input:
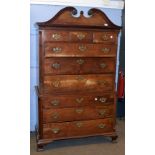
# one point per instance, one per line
(79, 100)
(103, 65)
(101, 126)
(56, 36)
(102, 99)
(55, 116)
(82, 48)
(56, 49)
(80, 36)
(80, 61)
(102, 112)
(79, 124)
(105, 50)
(56, 65)
(105, 37)
(55, 130)
(56, 84)
(55, 102)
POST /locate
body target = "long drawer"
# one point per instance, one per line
(75, 83)
(79, 65)
(81, 113)
(79, 50)
(74, 100)
(77, 128)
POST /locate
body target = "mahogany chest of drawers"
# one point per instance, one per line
(77, 61)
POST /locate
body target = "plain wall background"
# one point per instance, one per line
(41, 13)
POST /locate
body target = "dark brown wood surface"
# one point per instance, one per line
(75, 83)
(77, 114)
(77, 62)
(79, 65)
(104, 37)
(67, 36)
(74, 100)
(79, 50)
(77, 128)
(82, 35)
(66, 18)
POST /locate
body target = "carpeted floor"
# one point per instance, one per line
(85, 146)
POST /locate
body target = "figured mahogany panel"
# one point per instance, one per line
(80, 113)
(55, 130)
(81, 36)
(55, 35)
(90, 127)
(67, 35)
(75, 100)
(79, 50)
(79, 65)
(104, 37)
(74, 83)
(77, 128)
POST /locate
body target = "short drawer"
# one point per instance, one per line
(79, 65)
(55, 130)
(104, 37)
(79, 50)
(79, 83)
(81, 36)
(81, 113)
(55, 36)
(67, 101)
(78, 128)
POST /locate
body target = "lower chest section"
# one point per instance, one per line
(76, 115)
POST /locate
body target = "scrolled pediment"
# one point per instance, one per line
(67, 17)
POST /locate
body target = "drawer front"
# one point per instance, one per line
(66, 101)
(81, 36)
(79, 65)
(81, 113)
(55, 36)
(71, 83)
(73, 36)
(79, 50)
(55, 130)
(104, 37)
(82, 128)
(77, 128)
